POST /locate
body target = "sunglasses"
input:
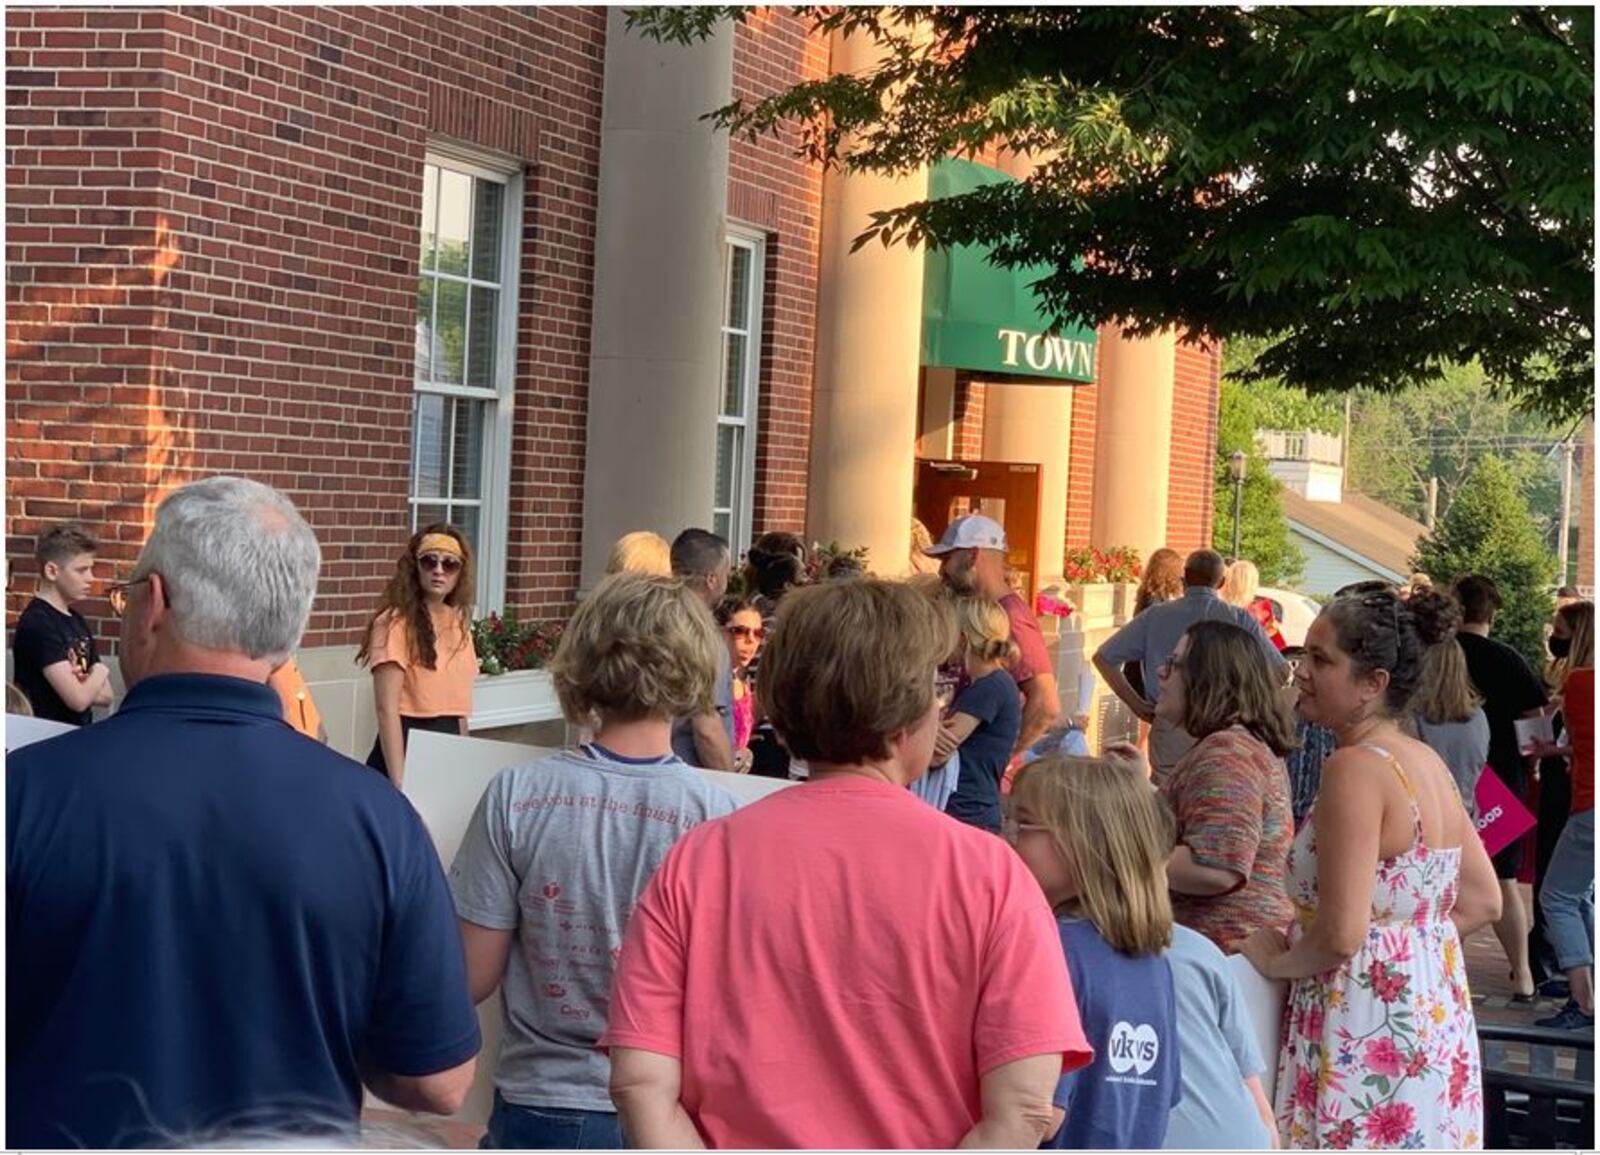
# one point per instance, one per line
(439, 561)
(756, 632)
(117, 594)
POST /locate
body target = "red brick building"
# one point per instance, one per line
(396, 261)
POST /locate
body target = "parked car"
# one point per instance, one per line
(1295, 613)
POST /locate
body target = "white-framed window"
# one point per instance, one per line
(465, 360)
(743, 277)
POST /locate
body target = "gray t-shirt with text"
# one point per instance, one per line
(558, 851)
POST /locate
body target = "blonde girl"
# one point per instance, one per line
(1091, 832)
(987, 715)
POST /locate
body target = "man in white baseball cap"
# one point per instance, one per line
(972, 561)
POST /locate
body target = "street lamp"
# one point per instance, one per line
(1236, 464)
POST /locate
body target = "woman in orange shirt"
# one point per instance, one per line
(419, 646)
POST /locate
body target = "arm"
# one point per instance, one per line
(711, 742)
(1258, 1096)
(1349, 826)
(1041, 706)
(1017, 1111)
(386, 682)
(1478, 894)
(1118, 684)
(103, 696)
(645, 1088)
(487, 950)
(1186, 876)
(78, 695)
(442, 1093)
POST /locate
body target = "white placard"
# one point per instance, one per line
(1264, 1001)
(23, 730)
(445, 776)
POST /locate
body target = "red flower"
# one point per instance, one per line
(1460, 1072)
(1312, 1022)
(1420, 916)
(1342, 1137)
(1305, 1089)
(1388, 1125)
(1417, 1064)
(1387, 983)
(1383, 1058)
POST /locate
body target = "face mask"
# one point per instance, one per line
(1560, 647)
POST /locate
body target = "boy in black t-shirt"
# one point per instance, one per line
(57, 664)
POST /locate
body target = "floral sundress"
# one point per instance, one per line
(1383, 1051)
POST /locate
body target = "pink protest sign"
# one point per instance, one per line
(1502, 818)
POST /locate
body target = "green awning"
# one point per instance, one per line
(980, 316)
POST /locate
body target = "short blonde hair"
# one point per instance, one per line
(1111, 827)
(986, 628)
(641, 552)
(1240, 583)
(848, 665)
(639, 646)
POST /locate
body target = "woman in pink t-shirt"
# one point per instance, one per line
(900, 980)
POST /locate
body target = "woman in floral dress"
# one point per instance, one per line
(1387, 877)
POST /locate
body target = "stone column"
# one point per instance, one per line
(864, 399)
(1033, 423)
(1133, 439)
(656, 341)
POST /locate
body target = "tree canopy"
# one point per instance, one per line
(1374, 192)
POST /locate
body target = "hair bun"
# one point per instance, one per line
(1436, 615)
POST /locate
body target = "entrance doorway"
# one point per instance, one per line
(1004, 490)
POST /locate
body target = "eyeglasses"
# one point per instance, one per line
(1011, 829)
(756, 632)
(1171, 666)
(117, 594)
(438, 561)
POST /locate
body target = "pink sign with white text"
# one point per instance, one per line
(1502, 818)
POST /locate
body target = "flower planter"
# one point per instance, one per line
(1095, 601)
(512, 700)
(1126, 594)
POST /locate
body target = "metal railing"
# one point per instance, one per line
(1301, 445)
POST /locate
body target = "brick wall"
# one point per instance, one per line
(1080, 461)
(770, 188)
(1194, 445)
(970, 399)
(212, 266)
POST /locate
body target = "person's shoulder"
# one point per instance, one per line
(1579, 681)
(1190, 947)
(36, 613)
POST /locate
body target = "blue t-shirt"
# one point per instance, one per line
(1129, 1016)
(1216, 1052)
(212, 920)
(996, 703)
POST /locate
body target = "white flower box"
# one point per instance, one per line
(512, 700)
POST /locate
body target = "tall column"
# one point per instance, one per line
(864, 398)
(1033, 423)
(1133, 439)
(656, 342)
(1586, 509)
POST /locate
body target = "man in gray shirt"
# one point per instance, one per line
(1150, 638)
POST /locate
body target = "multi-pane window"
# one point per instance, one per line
(465, 298)
(733, 502)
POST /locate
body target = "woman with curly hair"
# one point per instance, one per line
(419, 646)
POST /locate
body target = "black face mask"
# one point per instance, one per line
(1560, 647)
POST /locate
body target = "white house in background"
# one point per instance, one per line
(1345, 537)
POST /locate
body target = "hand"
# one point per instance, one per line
(742, 761)
(1265, 949)
(1127, 754)
(944, 745)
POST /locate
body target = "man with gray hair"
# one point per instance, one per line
(1150, 638)
(216, 925)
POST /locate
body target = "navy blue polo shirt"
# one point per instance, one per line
(212, 922)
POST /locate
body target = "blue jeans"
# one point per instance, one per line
(1567, 894)
(514, 1128)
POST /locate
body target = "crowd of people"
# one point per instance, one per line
(957, 928)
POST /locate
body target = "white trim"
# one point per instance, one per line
(1345, 551)
(493, 502)
(741, 528)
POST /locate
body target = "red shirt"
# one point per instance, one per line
(856, 1002)
(1034, 658)
(1577, 707)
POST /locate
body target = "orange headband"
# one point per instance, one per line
(439, 543)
